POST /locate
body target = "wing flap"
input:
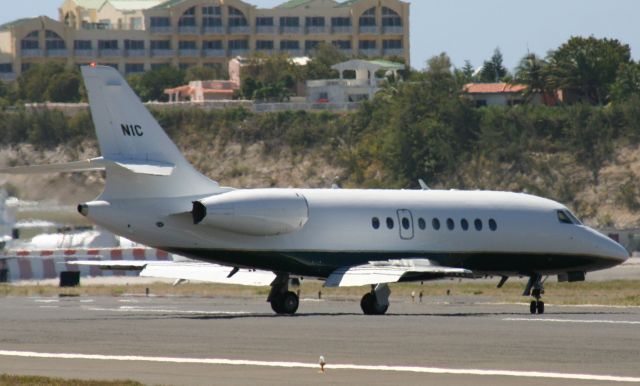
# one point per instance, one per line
(206, 272)
(115, 265)
(392, 271)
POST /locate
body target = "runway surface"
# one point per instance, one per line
(167, 340)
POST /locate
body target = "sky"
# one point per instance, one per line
(472, 29)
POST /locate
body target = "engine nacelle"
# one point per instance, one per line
(256, 212)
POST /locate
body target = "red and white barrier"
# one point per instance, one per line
(47, 264)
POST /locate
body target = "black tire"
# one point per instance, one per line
(540, 307)
(367, 303)
(289, 303)
(276, 305)
(533, 307)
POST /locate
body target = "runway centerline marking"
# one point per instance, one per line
(583, 321)
(241, 362)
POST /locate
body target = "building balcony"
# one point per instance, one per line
(110, 52)
(393, 52)
(369, 51)
(238, 51)
(161, 29)
(8, 76)
(348, 30)
(161, 53)
(266, 51)
(189, 52)
(393, 29)
(289, 29)
(213, 29)
(188, 30)
(62, 53)
(312, 30)
(240, 29)
(266, 29)
(217, 53)
(136, 53)
(342, 83)
(82, 53)
(369, 29)
(31, 53)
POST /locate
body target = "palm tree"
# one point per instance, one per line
(532, 72)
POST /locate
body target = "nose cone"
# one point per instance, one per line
(610, 248)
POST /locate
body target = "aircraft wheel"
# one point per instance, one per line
(370, 306)
(540, 307)
(276, 305)
(289, 303)
(532, 307)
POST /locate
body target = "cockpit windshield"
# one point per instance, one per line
(566, 217)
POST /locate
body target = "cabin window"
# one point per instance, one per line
(450, 224)
(435, 223)
(405, 223)
(375, 223)
(421, 223)
(492, 224)
(464, 224)
(389, 223)
(478, 224)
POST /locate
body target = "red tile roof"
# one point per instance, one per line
(493, 88)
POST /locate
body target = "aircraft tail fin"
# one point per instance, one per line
(140, 158)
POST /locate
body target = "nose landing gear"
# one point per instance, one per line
(535, 288)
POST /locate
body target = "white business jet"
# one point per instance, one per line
(346, 237)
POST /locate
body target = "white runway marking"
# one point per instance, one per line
(585, 321)
(240, 362)
(165, 310)
(46, 300)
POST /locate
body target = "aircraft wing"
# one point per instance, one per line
(392, 271)
(187, 270)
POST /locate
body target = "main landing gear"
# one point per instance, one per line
(535, 288)
(283, 301)
(376, 302)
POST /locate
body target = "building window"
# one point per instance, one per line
(311, 45)
(132, 68)
(367, 44)
(375, 223)
(341, 22)
(30, 42)
(134, 44)
(212, 16)
(264, 21)
(395, 44)
(289, 45)
(238, 44)
(264, 44)
(108, 44)
(368, 18)
(390, 18)
(314, 21)
(161, 44)
(6, 68)
(288, 21)
(187, 44)
(160, 22)
(421, 223)
(212, 44)
(184, 66)
(188, 18)
(82, 44)
(236, 18)
(389, 223)
(342, 44)
(136, 23)
(493, 225)
(157, 66)
(53, 41)
(435, 223)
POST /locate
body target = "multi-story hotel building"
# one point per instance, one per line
(138, 35)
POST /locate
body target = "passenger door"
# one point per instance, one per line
(405, 223)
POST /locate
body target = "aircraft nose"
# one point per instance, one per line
(613, 249)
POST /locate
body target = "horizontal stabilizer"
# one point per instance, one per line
(150, 167)
(392, 271)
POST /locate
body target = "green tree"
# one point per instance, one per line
(493, 70)
(532, 72)
(205, 73)
(64, 87)
(464, 75)
(322, 58)
(51, 82)
(627, 82)
(587, 67)
(150, 85)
